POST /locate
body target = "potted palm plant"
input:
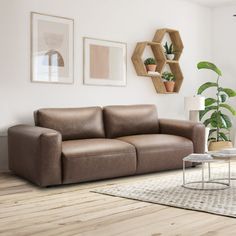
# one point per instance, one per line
(214, 115)
(169, 50)
(169, 81)
(150, 64)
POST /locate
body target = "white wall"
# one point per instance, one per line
(224, 47)
(129, 21)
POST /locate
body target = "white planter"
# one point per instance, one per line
(170, 56)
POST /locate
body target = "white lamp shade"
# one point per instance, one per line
(195, 103)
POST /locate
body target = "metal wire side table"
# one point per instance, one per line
(204, 183)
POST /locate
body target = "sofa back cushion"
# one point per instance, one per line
(130, 120)
(72, 123)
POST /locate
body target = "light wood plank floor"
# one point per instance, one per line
(73, 210)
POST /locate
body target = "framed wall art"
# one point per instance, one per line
(52, 49)
(104, 62)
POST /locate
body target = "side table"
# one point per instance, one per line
(206, 159)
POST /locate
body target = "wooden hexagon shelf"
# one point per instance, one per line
(159, 84)
(159, 54)
(137, 57)
(175, 39)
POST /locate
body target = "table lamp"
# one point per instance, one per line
(193, 105)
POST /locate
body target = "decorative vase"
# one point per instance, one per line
(170, 85)
(216, 146)
(170, 56)
(151, 67)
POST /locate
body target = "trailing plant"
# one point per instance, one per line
(150, 61)
(219, 122)
(168, 76)
(169, 49)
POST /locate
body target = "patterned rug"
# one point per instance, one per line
(168, 191)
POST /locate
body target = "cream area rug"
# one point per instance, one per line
(167, 190)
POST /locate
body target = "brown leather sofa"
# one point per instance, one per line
(71, 145)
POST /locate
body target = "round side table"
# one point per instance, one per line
(206, 159)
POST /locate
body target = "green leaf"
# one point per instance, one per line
(209, 66)
(207, 109)
(221, 122)
(212, 131)
(226, 120)
(217, 121)
(229, 108)
(211, 139)
(222, 97)
(209, 101)
(214, 122)
(206, 86)
(207, 122)
(223, 136)
(228, 91)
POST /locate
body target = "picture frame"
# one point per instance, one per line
(105, 62)
(52, 49)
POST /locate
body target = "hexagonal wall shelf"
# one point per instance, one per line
(138, 53)
(175, 39)
(158, 52)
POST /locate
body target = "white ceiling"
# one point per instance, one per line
(215, 3)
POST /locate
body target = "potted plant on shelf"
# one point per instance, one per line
(169, 50)
(169, 81)
(150, 64)
(213, 115)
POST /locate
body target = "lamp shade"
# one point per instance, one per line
(194, 103)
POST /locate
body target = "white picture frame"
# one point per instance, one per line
(52, 49)
(104, 62)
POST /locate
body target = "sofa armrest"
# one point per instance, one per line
(35, 154)
(188, 129)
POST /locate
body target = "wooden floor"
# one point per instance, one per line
(73, 210)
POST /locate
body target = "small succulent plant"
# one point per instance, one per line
(169, 49)
(168, 76)
(150, 61)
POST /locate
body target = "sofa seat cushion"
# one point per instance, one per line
(156, 152)
(92, 159)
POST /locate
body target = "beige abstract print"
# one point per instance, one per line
(104, 62)
(99, 62)
(52, 49)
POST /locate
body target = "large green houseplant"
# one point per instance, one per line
(214, 115)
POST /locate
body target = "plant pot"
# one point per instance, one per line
(216, 146)
(170, 56)
(170, 85)
(151, 67)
